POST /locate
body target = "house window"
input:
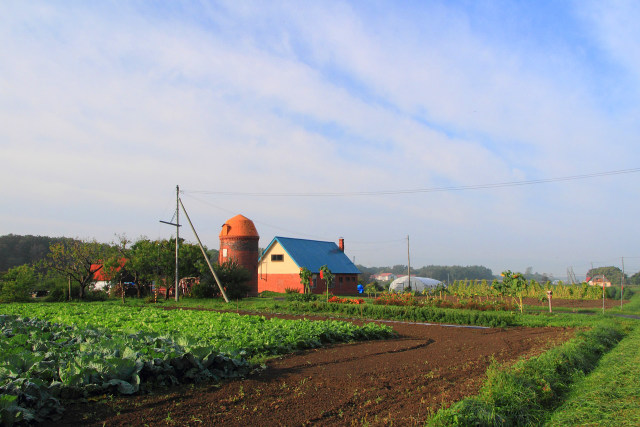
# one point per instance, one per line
(314, 280)
(277, 257)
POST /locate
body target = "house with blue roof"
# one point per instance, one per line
(280, 264)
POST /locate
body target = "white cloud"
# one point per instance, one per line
(107, 110)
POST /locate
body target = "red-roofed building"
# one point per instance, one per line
(101, 278)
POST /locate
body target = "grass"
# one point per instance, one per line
(527, 393)
(593, 379)
(610, 395)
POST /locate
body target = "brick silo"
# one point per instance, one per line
(239, 241)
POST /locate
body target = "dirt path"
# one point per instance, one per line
(399, 381)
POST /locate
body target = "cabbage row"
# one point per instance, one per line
(64, 351)
(203, 331)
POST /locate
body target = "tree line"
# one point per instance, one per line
(68, 268)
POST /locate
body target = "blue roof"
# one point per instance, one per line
(313, 254)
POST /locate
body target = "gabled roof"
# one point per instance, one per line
(313, 254)
(100, 274)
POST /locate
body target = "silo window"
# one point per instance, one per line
(277, 257)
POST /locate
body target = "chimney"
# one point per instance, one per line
(341, 244)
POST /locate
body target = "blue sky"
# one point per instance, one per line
(105, 107)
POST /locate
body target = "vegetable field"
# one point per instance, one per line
(59, 351)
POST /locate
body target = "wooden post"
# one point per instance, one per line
(603, 294)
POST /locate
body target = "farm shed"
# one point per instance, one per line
(417, 284)
(280, 264)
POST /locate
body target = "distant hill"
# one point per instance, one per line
(17, 250)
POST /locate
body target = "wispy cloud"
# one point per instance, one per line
(105, 108)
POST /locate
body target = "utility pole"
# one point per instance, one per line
(177, 235)
(408, 264)
(177, 225)
(622, 283)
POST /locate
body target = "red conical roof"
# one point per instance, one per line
(239, 226)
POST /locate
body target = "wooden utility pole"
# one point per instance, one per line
(177, 235)
(622, 283)
(408, 264)
(177, 225)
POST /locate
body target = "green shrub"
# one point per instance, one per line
(301, 297)
(204, 289)
(17, 284)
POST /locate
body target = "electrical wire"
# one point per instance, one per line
(419, 190)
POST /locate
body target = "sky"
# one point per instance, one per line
(319, 120)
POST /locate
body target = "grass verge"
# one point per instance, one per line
(527, 392)
(610, 395)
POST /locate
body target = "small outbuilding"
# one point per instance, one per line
(418, 284)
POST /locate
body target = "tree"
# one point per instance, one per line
(234, 279)
(78, 260)
(17, 283)
(516, 285)
(613, 274)
(326, 274)
(305, 279)
(16, 250)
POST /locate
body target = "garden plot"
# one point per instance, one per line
(399, 381)
(71, 351)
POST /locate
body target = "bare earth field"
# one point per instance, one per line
(399, 381)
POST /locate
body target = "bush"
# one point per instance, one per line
(613, 292)
(60, 292)
(17, 284)
(301, 297)
(204, 289)
(233, 278)
(96, 295)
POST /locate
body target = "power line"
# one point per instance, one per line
(419, 190)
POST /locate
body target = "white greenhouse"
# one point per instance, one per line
(418, 284)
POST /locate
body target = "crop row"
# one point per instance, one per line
(227, 333)
(496, 319)
(74, 350)
(534, 289)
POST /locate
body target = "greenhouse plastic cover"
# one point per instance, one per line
(417, 284)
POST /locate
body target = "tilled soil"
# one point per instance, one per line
(399, 381)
